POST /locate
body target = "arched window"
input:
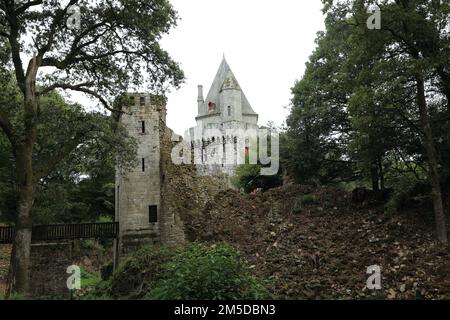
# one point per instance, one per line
(229, 111)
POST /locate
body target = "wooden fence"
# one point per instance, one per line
(57, 232)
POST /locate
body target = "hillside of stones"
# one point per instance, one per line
(315, 243)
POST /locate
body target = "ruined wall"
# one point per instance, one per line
(49, 262)
(183, 192)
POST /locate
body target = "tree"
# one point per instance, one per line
(375, 98)
(319, 127)
(114, 48)
(414, 34)
(247, 176)
(81, 188)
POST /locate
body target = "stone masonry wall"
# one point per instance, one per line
(140, 188)
(49, 262)
(183, 192)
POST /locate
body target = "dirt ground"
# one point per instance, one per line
(314, 243)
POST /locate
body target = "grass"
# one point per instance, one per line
(89, 279)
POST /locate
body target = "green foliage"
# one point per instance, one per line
(89, 279)
(105, 218)
(16, 296)
(355, 117)
(207, 272)
(313, 146)
(139, 272)
(80, 186)
(198, 271)
(102, 291)
(107, 270)
(247, 177)
(406, 189)
(87, 244)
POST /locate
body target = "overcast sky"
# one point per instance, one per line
(265, 42)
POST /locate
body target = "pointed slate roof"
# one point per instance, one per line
(225, 79)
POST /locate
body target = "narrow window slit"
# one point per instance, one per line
(153, 214)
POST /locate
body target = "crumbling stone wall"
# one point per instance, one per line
(49, 262)
(183, 192)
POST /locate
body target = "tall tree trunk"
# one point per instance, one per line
(441, 228)
(18, 278)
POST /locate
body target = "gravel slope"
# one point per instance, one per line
(313, 243)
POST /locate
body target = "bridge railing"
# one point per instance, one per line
(55, 232)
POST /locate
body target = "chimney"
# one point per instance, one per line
(200, 99)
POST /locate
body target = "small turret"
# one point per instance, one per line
(231, 98)
(200, 99)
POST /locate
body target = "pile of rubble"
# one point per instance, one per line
(314, 243)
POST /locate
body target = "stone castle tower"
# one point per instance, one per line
(155, 197)
(226, 107)
(138, 192)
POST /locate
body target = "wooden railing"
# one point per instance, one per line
(57, 232)
(6, 234)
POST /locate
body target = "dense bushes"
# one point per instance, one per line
(207, 272)
(140, 272)
(198, 271)
(408, 192)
